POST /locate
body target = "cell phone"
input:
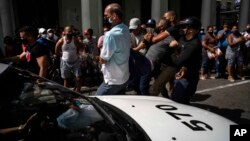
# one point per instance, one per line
(77, 103)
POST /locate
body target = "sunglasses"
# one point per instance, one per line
(184, 26)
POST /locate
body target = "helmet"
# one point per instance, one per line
(191, 22)
(151, 23)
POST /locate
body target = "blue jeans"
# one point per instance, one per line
(183, 90)
(220, 64)
(105, 89)
(207, 63)
(144, 84)
(140, 73)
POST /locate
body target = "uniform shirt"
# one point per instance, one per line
(115, 51)
(189, 57)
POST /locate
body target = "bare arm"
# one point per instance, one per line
(233, 44)
(42, 63)
(58, 47)
(78, 45)
(160, 37)
(207, 47)
(18, 128)
(140, 46)
(219, 36)
(102, 61)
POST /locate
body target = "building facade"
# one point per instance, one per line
(83, 14)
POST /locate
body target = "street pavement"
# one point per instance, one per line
(231, 100)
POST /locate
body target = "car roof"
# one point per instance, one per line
(163, 119)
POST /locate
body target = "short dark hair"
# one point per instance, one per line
(90, 31)
(210, 26)
(30, 30)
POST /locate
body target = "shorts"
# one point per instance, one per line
(69, 68)
(235, 60)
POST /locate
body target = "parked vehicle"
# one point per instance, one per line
(59, 113)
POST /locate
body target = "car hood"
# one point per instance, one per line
(166, 120)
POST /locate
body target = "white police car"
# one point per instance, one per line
(103, 118)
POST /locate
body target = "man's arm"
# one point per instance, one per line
(205, 46)
(78, 45)
(160, 37)
(43, 64)
(58, 47)
(108, 49)
(184, 55)
(220, 35)
(102, 61)
(231, 43)
(139, 47)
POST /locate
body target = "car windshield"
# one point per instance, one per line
(123, 122)
(68, 115)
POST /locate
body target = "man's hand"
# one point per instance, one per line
(148, 37)
(173, 44)
(102, 61)
(181, 74)
(28, 123)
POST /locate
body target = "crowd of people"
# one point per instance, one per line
(172, 54)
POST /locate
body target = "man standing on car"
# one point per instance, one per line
(115, 52)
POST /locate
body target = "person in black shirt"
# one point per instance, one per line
(37, 54)
(182, 65)
(187, 60)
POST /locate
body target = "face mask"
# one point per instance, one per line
(235, 31)
(43, 35)
(69, 35)
(110, 21)
(24, 41)
(201, 31)
(215, 31)
(50, 35)
(106, 21)
(210, 32)
(181, 32)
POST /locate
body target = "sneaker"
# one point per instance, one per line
(202, 77)
(231, 79)
(212, 77)
(243, 78)
(217, 76)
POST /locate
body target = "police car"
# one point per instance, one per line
(63, 114)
